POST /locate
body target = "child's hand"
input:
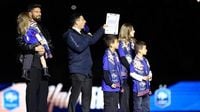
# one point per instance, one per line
(122, 90)
(116, 85)
(145, 78)
(150, 78)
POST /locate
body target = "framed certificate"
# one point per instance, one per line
(112, 20)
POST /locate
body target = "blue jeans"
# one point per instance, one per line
(111, 100)
(141, 103)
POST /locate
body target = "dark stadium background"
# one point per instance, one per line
(170, 28)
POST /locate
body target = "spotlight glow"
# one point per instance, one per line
(73, 7)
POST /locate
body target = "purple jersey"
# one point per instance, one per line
(140, 67)
(112, 64)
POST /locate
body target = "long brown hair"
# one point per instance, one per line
(23, 21)
(124, 33)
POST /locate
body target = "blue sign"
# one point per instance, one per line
(162, 97)
(11, 99)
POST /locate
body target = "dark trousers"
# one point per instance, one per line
(141, 103)
(36, 92)
(124, 98)
(111, 100)
(80, 83)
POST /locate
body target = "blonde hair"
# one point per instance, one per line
(124, 33)
(23, 20)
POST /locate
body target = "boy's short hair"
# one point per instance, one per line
(109, 39)
(74, 17)
(138, 45)
(32, 6)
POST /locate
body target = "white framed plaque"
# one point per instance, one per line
(112, 20)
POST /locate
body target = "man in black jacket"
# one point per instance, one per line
(37, 86)
(80, 61)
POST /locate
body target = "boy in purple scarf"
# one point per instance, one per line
(142, 75)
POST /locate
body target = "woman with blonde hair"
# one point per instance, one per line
(126, 54)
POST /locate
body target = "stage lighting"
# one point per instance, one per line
(73, 7)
